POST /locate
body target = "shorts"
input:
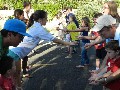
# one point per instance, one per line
(101, 53)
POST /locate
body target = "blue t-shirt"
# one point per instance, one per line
(85, 33)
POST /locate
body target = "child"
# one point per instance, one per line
(19, 14)
(100, 50)
(84, 58)
(112, 65)
(6, 71)
(38, 33)
(73, 35)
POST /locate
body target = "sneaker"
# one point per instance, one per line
(27, 76)
(69, 56)
(80, 66)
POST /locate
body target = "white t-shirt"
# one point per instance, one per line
(117, 34)
(38, 33)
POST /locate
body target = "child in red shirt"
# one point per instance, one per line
(6, 71)
(112, 65)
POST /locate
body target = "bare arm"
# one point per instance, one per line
(103, 65)
(114, 76)
(101, 73)
(107, 74)
(87, 37)
(62, 42)
(78, 29)
(98, 40)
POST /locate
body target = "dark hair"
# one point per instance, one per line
(73, 17)
(18, 12)
(25, 4)
(86, 21)
(113, 45)
(69, 8)
(96, 15)
(5, 64)
(5, 32)
(38, 14)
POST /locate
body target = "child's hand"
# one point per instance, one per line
(94, 83)
(80, 37)
(93, 77)
(98, 78)
(88, 45)
(93, 71)
(73, 43)
(101, 81)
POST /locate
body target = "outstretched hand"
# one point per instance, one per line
(80, 37)
(101, 80)
(88, 45)
(73, 43)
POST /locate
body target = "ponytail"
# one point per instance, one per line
(31, 21)
(38, 14)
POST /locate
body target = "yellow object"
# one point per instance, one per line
(72, 26)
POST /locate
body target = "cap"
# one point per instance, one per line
(16, 26)
(104, 20)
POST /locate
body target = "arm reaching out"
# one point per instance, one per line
(79, 29)
(87, 37)
(63, 42)
(98, 40)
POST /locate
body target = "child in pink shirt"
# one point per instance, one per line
(6, 71)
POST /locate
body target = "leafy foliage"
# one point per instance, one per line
(88, 9)
(85, 7)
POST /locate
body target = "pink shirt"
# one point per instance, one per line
(6, 83)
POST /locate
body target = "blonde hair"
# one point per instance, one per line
(113, 9)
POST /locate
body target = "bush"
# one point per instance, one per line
(51, 8)
(88, 9)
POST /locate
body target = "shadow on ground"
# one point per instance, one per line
(52, 71)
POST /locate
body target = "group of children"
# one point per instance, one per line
(73, 31)
(13, 34)
(110, 49)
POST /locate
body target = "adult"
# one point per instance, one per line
(11, 34)
(38, 32)
(108, 27)
(109, 8)
(27, 8)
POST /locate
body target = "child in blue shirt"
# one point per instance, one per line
(84, 57)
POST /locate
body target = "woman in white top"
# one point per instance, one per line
(38, 32)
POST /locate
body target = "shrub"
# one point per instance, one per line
(88, 9)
